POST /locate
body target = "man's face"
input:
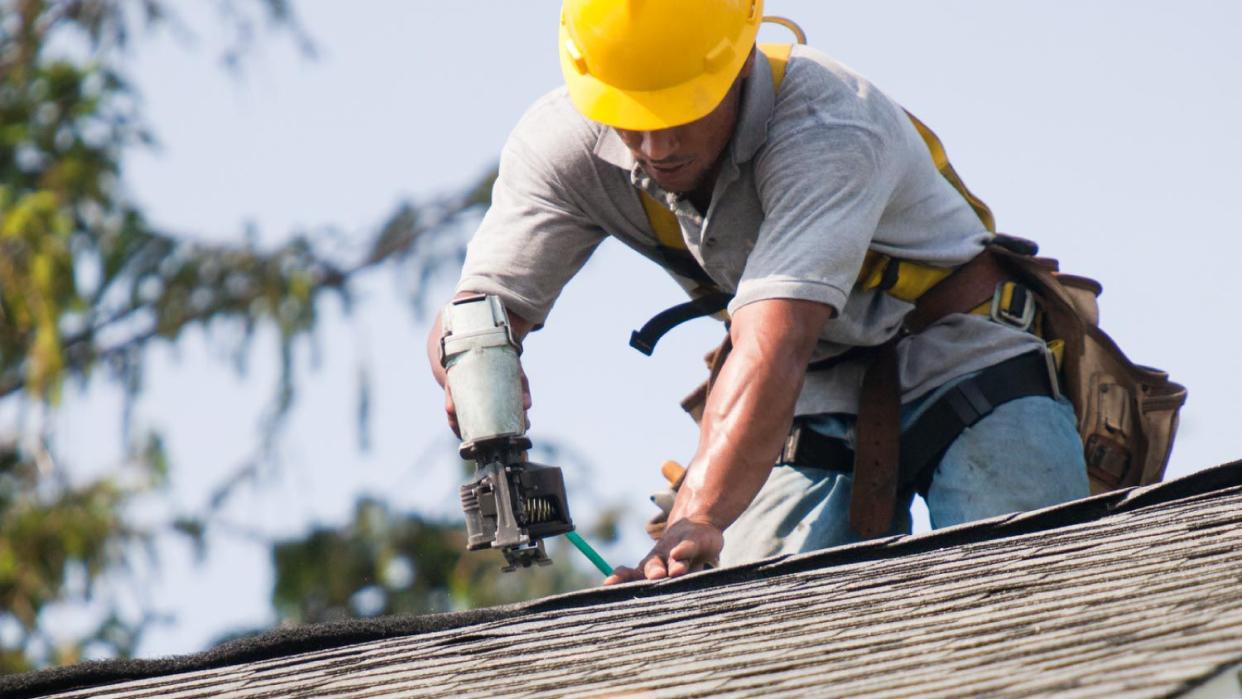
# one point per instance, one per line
(681, 159)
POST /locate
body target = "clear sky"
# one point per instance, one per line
(1107, 130)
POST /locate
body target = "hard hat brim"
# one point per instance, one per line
(648, 110)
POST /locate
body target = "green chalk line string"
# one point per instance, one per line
(581, 544)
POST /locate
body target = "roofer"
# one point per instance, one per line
(787, 186)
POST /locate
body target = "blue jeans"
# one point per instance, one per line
(1024, 455)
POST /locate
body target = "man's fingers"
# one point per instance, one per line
(685, 551)
(526, 400)
(622, 574)
(681, 559)
(451, 410)
(654, 568)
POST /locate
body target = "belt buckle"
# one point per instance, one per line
(1053, 381)
(1001, 314)
(790, 451)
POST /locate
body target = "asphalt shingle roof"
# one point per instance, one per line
(1130, 594)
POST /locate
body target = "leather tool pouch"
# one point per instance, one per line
(1127, 413)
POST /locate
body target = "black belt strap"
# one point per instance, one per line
(850, 355)
(644, 340)
(683, 263)
(923, 443)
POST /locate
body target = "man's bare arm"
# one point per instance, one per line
(521, 327)
(744, 424)
(748, 414)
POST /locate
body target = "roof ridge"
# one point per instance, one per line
(1213, 482)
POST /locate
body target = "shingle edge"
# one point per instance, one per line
(292, 640)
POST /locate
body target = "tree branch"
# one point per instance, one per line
(395, 240)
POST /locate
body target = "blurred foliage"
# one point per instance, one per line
(88, 285)
(57, 539)
(386, 562)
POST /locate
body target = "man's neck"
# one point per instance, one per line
(701, 199)
(701, 196)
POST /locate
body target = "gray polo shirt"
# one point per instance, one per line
(813, 177)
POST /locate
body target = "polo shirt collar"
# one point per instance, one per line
(611, 149)
(758, 101)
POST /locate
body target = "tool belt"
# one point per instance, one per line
(941, 422)
(1127, 413)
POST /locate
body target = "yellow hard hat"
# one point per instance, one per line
(652, 64)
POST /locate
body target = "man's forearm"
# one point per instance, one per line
(749, 410)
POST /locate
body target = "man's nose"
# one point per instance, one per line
(659, 145)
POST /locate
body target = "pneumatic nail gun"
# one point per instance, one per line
(509, 503)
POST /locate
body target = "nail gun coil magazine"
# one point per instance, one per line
(513, 508)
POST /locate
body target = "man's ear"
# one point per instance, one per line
(750, 63)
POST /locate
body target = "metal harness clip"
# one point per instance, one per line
(1001, 312)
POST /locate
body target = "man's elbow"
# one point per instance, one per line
(780, 330)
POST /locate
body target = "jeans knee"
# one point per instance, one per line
(1025, 455)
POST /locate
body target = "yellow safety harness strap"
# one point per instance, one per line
(663, 222)
(778, 60)
(941, 159)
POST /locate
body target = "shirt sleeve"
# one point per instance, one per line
(823, 188)
(533, 238)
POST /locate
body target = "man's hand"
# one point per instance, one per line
(744, 424)
(686, 547)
